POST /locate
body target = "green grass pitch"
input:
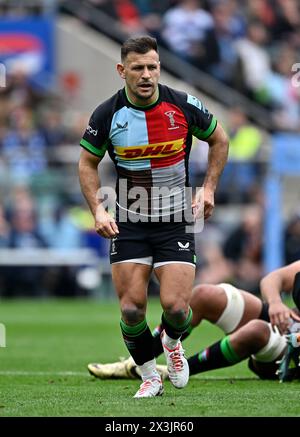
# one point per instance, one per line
(49, 342)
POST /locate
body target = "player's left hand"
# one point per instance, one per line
(209, 202)
(203, 203)
(197, 204)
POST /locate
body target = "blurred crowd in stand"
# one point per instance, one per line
(21, 8)
(41, 205)
(250, 45)
(40, 201)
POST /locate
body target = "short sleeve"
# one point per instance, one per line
(202, 123)
(96, 136)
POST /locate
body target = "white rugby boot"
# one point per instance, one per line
(177, 364)
(150, 388)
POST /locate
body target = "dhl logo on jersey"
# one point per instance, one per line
(159, 150)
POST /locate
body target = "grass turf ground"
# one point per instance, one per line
(49, 342)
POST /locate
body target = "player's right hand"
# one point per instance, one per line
(280, 316)
(105, 225)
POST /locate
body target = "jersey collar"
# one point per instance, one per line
(140, 107)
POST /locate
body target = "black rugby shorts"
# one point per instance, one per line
(163, 242)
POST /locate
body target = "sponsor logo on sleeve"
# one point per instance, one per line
(92, 131)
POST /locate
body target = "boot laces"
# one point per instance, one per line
(176, 359)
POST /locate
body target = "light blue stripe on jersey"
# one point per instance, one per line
(128, 128)
(194, 101)
(138, 164)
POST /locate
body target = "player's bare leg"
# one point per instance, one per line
(131, 282)
(176, 281)
(209, 302)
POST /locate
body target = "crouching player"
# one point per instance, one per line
(267, 333)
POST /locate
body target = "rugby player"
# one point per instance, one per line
(267, 333)
(147, 130)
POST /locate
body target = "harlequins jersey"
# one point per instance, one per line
(150, 146)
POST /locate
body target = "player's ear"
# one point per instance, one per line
(121, 70)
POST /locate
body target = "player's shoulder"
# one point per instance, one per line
(107, 108)
(180, 97)
(172, 95)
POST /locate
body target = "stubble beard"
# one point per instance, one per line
(143, 96)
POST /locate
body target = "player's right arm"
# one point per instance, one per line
(271, 287)
(95, 142)
(90, 187)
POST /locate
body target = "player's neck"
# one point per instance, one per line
(139, 102)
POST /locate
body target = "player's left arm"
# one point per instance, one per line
(217, 157)
(204, 126)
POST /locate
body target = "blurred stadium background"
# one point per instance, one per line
(57, 61)
(57, 64)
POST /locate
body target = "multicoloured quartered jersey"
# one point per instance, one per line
(150, 146)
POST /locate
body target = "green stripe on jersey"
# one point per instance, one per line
(203, 135)
(141, 106)
(93, 149)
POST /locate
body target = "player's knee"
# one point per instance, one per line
(201, 295)
(132, 314)
(173, 304)
(273, 347)
(200, 303)
(257, 332)
(175, 315)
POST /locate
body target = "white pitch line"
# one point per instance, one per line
(32, 373)
(70, 373)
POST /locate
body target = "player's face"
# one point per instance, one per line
(141, 73)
